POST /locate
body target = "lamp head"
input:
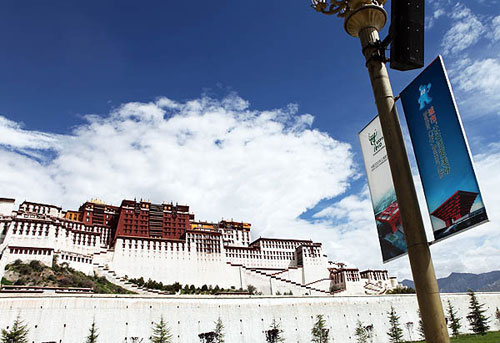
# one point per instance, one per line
(358, 14)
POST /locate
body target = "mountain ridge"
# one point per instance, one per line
(462, 282)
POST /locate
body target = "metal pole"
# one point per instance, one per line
(419, 255)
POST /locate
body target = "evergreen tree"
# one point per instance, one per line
(92, 337)
(161, 332)
(453, 320)
(479, 321)
(395, 332)
(360, 333)
(18, 333)
(275, 333)
(319, 331)
(219, 333)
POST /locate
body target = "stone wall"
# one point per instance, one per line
(68, 318)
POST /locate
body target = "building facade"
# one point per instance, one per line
(163, 242)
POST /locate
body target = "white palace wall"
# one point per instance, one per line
(41, 240)
(64, 318)
(172, 262)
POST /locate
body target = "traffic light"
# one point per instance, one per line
(407, 34)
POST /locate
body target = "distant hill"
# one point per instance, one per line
(461, 282)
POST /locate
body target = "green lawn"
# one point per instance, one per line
(490, 337)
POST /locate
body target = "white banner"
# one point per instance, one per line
(383, 195)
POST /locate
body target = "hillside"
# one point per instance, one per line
(35, 273)
(461, 282)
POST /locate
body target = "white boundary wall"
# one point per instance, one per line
(67, 318)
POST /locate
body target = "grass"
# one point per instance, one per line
(490, 337)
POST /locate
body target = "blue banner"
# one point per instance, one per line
(450, 185)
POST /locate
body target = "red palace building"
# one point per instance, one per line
(134, 219)
(391, 216)
(457, 206)
(144, 219)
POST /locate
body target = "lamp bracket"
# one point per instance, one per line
(378, 52)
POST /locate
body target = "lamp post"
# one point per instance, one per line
(364, 19)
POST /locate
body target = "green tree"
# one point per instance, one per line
(401, 290)
(360, 333)
(478, 320)
(161, 332)
(395, 332)
(453, 320)
(319, 331)
(219, 331)
(18, 333)
(251, 289)
(275, 333)
(92, 337)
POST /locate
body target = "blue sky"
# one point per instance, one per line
(123, 99)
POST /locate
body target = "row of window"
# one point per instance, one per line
(286, 256)
(283, 245)
(32, 230)
(154, 246)
(30, 251)
(75, 258)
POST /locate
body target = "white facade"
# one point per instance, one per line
(67, 318)
(6, 206)
(207, 255)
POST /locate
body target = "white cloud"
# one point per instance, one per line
(436, 13)
(465, 31)
(478, 85)
(13, 136)
(355, 241)
(495, 29)
(218, 156)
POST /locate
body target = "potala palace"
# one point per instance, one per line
(165, 243)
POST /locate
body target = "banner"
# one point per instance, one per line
(385, 204)
(450, 186)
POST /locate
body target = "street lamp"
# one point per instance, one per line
(364, 19)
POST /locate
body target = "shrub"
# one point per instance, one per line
(401, 290)
(36, 266)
